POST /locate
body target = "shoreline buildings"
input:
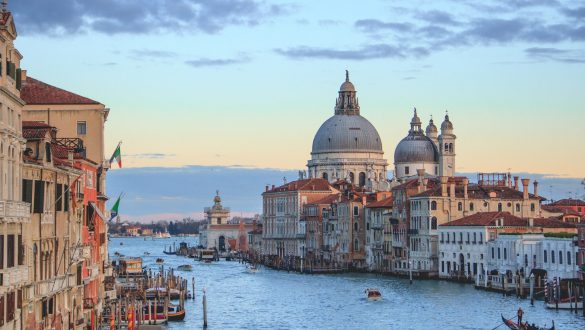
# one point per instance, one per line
(53, 243)
(347, 214)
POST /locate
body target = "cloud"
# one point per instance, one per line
(555, 54)
(367, 52)
(203, 62)
(438, 17)
(151, 54)
(578, 12)
(65, 17)
(374, 25)
(148, 155)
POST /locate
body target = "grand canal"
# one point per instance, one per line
(280, 300)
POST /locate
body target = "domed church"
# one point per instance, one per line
(436, 155)
(347, 146)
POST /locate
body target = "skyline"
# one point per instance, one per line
(509, 74)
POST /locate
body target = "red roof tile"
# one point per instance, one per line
(37, 92)
(305, 185)
(490, 219)
(569, 202)
(383, 203)
(35, 129)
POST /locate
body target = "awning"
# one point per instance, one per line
(98, 211)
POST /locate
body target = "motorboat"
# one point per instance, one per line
(146, 253)
(373, 294)
(185, 268)
(252, 269)
(161, 292)
(174, 312)
(160, 261)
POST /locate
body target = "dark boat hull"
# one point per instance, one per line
(515, 326)
(178, 316)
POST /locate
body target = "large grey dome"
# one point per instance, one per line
(347, 133)
(416, 148)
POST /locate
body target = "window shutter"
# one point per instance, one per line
(39, 200)
(18, 78)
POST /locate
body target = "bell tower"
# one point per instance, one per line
(447, 148)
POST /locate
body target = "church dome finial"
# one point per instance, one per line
(347, 102)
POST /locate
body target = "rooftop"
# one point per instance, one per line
(491, 219)
(37, 92)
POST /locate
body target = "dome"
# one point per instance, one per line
(344, 133)
(347, 86)
(446, 125)
(431, 128)
(416, 148)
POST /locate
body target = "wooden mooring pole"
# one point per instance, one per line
(204, 309)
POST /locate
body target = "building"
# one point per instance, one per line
(347, 146)
(481, 243)
(16, 251)
(377, 243)
(575, 205)
(420, 151)
(218, 231)
(283, 232)
(454, 198)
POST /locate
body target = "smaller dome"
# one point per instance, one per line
(446, 125)
(431, 128)
(416, 148)
(217, 199)
(415, 119)
(347, 86)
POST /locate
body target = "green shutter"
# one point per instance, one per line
(18, 78)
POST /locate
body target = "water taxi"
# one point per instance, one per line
(373, 294)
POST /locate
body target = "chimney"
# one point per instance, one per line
(525, 183)
(425, 183)
(535, 188)
(465, 185)
(516, 183)
(364, 200)
(509, 180)
(444, 186)
(421, 175)
(266, 188)
(272, 187)
(452, 190)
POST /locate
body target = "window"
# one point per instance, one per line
(568, 257)
(532, 207)
(460, 206)
(471, 207)
(58, 197)
(441, 237)
(1, 309)
(505, 253)
(434, 223)
(552, 256)
(356, 245)
(20, 251)
(219, 221)
(406, 170)
(545, 256)
(10, 300)
(433, 205)
(480, 238)
(499, 207)
(27, 191)
(81, 128)
(351, 177)
(517, 207)
(448, 237)
(499, 256)
(362, 178)
(325, 176)
(560, 257)
(355, 226)
(39, 200)
(66, 198)
(10, 251)
(48, 151)
(1, 254)
(474, 238)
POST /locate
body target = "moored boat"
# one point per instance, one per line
(525, 325)
(566, 304)
(160, 292)
(185, 268)
(160, 261)
(252, 269)
(373, 294)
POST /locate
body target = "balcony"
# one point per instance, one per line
(47, 218)
(377, 226)
(377, 246)
(413, 232)
(14, 212)
(51, 286)
(14, 276)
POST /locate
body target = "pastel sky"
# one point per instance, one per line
(249, 82)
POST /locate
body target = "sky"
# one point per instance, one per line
(247, 83)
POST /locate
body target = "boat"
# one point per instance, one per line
(174, 312)
(252, 269)
(185, 268)
(146, 253)
(207, 256)
(160, 292)
(160, 261)
(566, 304)
(524, 326)
(373, 294)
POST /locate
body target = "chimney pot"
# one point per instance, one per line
(465, 185)
(535, 188)
(516, 183)
(444, 186)
(525, 183)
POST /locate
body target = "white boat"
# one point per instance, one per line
(252, 269)
(566, 305)
(373, 294)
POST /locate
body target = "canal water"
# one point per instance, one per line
(280, 300)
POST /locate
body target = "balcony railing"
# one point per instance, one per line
(51, 286)
(12, 211)
(413, 232)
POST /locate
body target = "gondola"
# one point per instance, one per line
(515, 326)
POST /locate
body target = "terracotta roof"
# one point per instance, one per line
(563, 211)
(35, 129)
(327, 199)
(490, 219)
(37, 92)
(383, 203)
(569, 202)
(304, 185)
(476, 191)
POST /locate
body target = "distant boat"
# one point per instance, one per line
(252, 269)
(373, 294)
(146, 253)
(160, 261)
(185, 268)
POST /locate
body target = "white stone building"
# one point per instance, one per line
(347, 146)
(218, 231)
(377, 217)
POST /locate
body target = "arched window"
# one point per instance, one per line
(355, 226)
(433, 205)
(356, 245)
(362, 178)
(460, 206)
(517, 207)
(450, 147)
(471, 207)
(406, 170)
(325, 176)
(545, 256)
(568, 257)
(434, 223)
(351, 177)
(552, 256)
(560, 257)
(532, 207)
(446, 146)
(499, 207)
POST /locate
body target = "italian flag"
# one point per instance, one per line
(114, 210)
(117, 156)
